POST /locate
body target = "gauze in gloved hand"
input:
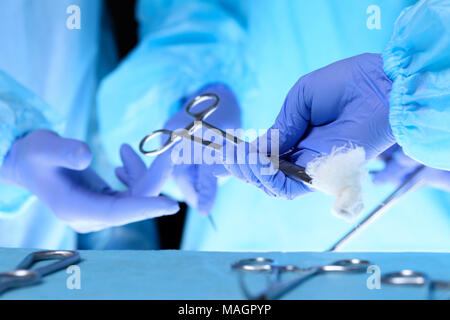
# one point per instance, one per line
(339, 111)
(340, 174)
(56, 170)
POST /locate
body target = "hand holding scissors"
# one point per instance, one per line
(293, 171)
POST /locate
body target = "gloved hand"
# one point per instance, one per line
(141, 181)
(345, 103)
(398, 166)
(56, 171)
(198, 182)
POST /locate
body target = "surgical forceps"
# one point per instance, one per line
(415, 278)
(291, 170)
(276, 289)
(23, 275)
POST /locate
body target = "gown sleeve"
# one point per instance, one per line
(21, 111)
(184, 46)
(417, 59)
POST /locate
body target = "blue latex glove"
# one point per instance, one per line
(398, 166)
(56, 171)
(140, 180)
(198, 182)
(343, 103)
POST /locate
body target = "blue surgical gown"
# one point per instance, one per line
(58, 66)
(260, 48)
(418, 61)
(49, 74)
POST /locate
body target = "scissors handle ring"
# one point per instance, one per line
(22, 274)
(64, 259)
(18, 278)
(348, 265)
(262, 265)
(202, 115)
(405, 277)
(169, 142)
(253, 264)
(53, 254)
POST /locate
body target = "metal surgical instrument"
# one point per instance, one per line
(410, 184)
(291, 170)
(23, 275)
(276, 288)
(415, 278)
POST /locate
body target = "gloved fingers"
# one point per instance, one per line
(240, 168)
(389, 153)
(249, 175)
(206, 188)
(290, 124)
(439, 179)
(397, 167)
(278, 184)
(395, 172)
(219, 171)
(236, 171)
(133, 165)
(124, 210)
(228, 112)
(392, 172)
(87, 203)
(198, 184)
(248, 171)
(123, 176)
(185, 176)
(53, 150)
(304, 156)
(235, 158)
(404, 160)
(152, 180)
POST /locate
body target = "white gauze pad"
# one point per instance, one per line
(341, 174)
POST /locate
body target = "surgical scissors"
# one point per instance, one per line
(293, 171)
(276, 289)
(23, 275)
(415, 278)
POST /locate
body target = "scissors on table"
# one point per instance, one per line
(415, 278)
(293, 171)
(276, 288)
(23, 275)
